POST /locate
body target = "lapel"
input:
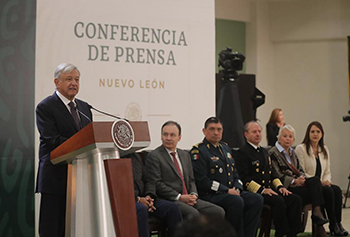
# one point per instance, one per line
(215, 151)
(294, 161)
(256, 156)
(266, 157)
(169, 160)
(64, 111)
(84, 121)
(183, 163)
(284, 159)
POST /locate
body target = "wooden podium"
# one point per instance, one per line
(100, 187)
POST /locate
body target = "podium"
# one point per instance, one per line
(100, 187)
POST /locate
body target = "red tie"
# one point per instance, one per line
(184, 189)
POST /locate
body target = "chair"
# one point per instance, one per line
(157, 226)
(266, 221)
(304, 216)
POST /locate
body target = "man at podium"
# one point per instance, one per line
(59, 116)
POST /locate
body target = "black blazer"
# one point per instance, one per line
(142, 184)
(255, 169)
(55, 125)
(272, 131)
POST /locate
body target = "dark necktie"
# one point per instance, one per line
(184, 189)
(73, 111)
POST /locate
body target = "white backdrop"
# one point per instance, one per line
(145, 60)
(176, 82)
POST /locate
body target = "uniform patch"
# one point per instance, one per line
(214, 158)
(229, 155)
(221, 170)
(195, 156)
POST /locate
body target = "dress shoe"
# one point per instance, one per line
(319, 220)
(345, 232)
(335, 230)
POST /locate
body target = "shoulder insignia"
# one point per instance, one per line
(197, 145)
(208, 146)
(194, 151)
(224, 143)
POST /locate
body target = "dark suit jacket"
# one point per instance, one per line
(255, 169)
(163, 173)
(55, 124)
(142, 184)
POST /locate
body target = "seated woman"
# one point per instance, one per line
(315, 159)
(272, 127)
(288, 169)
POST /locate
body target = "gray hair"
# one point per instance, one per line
(286, 127)
(64, 68)
(246, 126)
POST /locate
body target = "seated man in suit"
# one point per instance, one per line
(170, 169)
(218, 181)
(147, 202)
(255, 169)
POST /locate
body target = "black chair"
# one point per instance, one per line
(266, 221)
(157, 227)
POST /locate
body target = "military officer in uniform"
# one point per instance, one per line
(255, 168)
(217, 180)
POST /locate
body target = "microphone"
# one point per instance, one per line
(83, 114)
(110, 115)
